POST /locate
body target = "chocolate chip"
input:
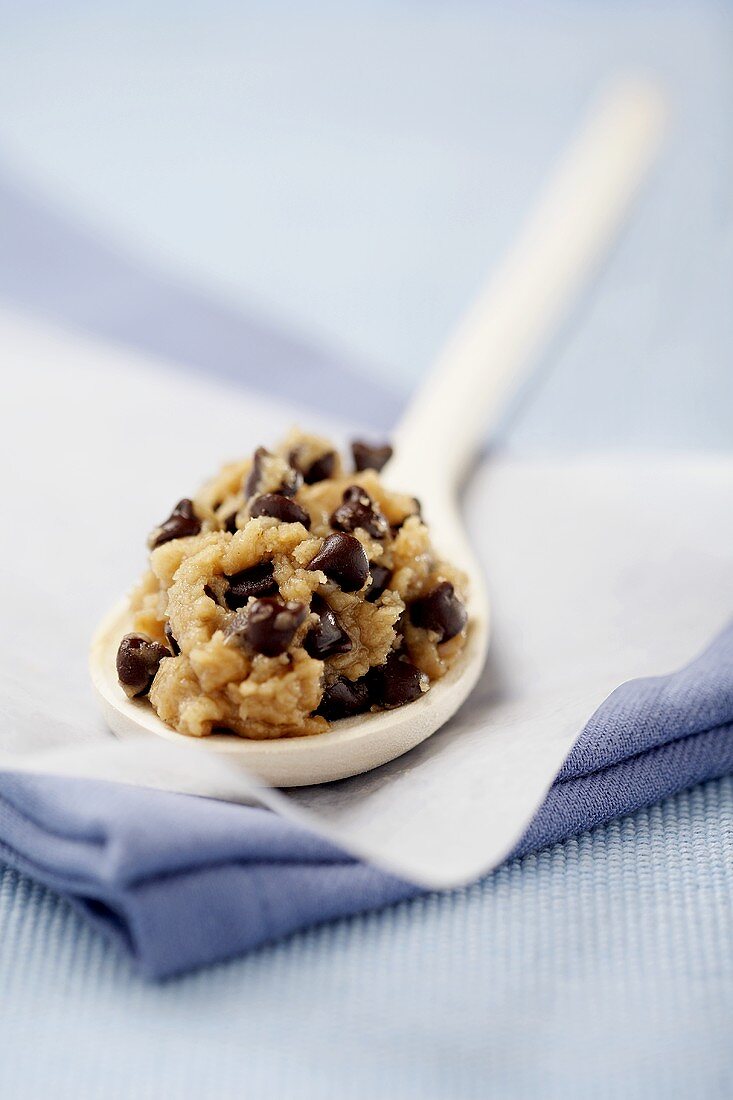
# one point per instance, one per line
(343, 699)
(440, 611)
(396, 682)
(138, 658)
(279, 507)
(327, 638)
(181, 522)
(216, 597)
(359, 510)
(252, 483)
(400, 631)
(343, 559)
(267, 626)
(381, 577)
(291, 481)
(172, 643)
(259, 580)
(368, 457)
(323, 467)
(230, 523)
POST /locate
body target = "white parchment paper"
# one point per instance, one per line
(600, 569)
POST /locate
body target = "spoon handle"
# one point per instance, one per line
(575, 220)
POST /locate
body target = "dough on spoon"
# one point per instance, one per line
(288, 594)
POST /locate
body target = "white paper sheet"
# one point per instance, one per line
(600, 570)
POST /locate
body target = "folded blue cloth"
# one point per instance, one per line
(180, 881)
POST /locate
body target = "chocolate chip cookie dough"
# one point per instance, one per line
(290, 593)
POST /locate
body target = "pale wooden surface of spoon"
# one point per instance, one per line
(575, 220)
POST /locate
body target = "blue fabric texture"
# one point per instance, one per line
(598, 968)
(181, 881)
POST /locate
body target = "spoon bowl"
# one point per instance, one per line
(351, 746)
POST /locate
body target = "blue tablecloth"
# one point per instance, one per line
(372, 162)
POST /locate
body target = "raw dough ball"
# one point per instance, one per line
(267, 631)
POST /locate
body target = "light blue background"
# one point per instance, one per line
(354, 170)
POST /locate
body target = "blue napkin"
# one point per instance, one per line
(180, 881)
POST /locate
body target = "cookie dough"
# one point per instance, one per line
(288, 594)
